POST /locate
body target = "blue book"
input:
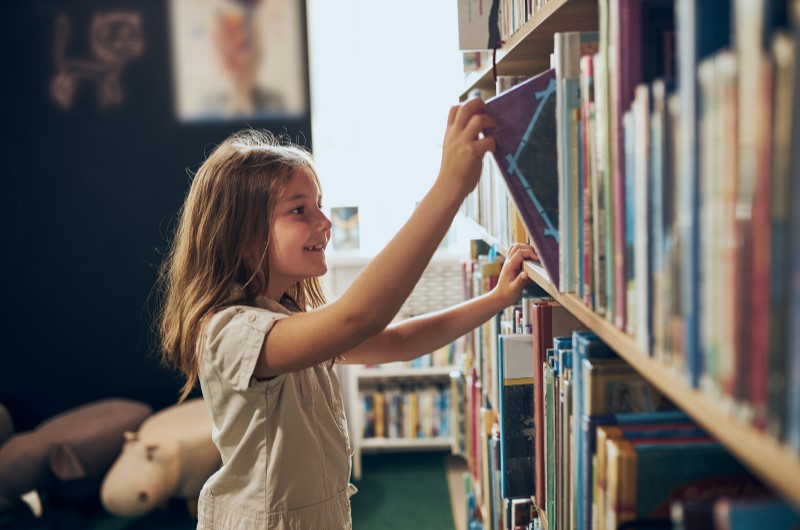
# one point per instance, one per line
(703, 27)
(588, 435)
(629, 133)
(755, 514)
(643, 478)
(585, 345)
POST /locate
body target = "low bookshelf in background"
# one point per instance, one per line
(677, 168)
(405, 406)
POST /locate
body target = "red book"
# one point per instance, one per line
(758, 368)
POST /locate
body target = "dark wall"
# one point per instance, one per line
(89, 199)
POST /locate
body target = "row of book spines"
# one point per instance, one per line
(487, 505)
(558, 382)
(733, 279)
(407, 413)
(652, 250)
(490, 206)
(599, 486)
(740, 257)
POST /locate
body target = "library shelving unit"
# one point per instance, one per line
(528, 49)
(439, 286)
(776, 464)
(527, 52)
(370, 378)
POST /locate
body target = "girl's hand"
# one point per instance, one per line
(512, 277)
(465, 143)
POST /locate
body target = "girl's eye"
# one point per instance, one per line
(299, 209)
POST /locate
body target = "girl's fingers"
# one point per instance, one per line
(467, 110)
(479, 123)
(485, 145)
(451, 116)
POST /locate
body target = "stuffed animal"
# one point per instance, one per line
(171, 456)
(6, 424)
(69, 454)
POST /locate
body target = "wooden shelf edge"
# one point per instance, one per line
(410, 444)
(774, 463)
(510, 50)
(387, 373)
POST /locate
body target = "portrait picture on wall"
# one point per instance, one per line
(344, 227)
(238, 58)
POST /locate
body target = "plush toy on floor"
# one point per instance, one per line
(171, 456)
(6, 424)
(68, 455)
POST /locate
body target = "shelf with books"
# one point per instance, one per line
(401, 408)
(774, 463)
(676, 243)
(528, 49)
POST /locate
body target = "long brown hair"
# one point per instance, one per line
(229, 206)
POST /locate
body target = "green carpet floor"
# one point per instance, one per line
(402, 491)
(397, 491)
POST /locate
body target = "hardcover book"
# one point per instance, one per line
(527, 156)
(705, 471)
(517, 437)
(792, 412)
(569, 47)
(702, 28)
(749, 514)
(768, 399)
(585, 345)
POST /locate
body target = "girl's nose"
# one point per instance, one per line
(325, 223)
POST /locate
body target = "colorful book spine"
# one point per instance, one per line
(585, 345)
(568, 49)
(703, 28)
(754, 514)
(792, 400)
(706, 470)
(516, 384)
(780, 264)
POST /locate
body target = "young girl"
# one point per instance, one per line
(243, 312)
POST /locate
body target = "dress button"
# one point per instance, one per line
(251, 318)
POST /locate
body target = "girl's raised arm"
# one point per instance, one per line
(377, 294)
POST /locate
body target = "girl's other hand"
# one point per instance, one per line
(465, 143)
(512, 276)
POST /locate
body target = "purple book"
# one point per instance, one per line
(528, 159)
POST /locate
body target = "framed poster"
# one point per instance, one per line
(239, 58)
(344, 227)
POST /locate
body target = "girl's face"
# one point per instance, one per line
(300, 234)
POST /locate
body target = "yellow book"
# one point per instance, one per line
(621, 484)
(379, 401)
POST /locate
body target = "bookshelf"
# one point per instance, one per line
(438, 287)
(370, 379)
(528, 49)
(774, 462)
